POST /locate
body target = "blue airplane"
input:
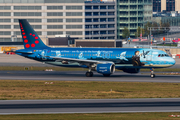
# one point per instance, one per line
(102, 60)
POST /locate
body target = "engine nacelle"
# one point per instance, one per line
(106, 69)
(131, 70)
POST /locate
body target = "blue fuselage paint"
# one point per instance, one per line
(122, 57)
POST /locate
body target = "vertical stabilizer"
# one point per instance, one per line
(29, 36)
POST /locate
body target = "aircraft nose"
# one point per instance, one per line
(173, 61)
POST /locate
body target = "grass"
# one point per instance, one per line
(162, 70)
(23, 68)
(32, 68)
(173, 45)
(108, 116)
(18, 89)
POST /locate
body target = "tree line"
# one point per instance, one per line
(158, 29)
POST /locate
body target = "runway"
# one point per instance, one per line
(89, 106)
(80, 76)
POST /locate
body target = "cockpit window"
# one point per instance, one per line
(163, 55)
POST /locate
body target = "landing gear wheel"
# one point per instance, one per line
(106, 75)
(89, 74)
(152, 75)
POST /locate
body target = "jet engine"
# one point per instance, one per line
(105, 69)
(131, 70)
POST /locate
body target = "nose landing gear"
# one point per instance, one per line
(152, 73)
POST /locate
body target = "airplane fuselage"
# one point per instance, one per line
(122, 57)
(102, 60)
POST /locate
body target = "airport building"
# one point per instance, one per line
(58, 17)
(47, 17)
(100, 20)
(167, 5)
(173, 21)
(131, 14)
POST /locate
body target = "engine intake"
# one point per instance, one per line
(106, 69)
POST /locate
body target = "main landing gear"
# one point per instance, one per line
(152, 73)
(89, 73)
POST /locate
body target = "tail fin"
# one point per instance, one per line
(29, 36)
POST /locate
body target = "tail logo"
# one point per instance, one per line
(36, 41)
(29, 36)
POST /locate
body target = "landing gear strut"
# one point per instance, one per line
(89, 73)
(152, 73)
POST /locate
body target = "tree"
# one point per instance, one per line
(138, 32)
(157, 28)
(166, 25)
(146, 28)
(125, 32)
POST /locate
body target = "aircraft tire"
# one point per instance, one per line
(152, 76)
(106, 75)
(89, 74)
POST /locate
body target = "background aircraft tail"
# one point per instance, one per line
(29, 36)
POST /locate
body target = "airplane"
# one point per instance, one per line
(101, 60)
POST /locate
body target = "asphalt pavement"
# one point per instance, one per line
(89, 106)
(80, 76)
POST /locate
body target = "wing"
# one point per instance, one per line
(81, 61)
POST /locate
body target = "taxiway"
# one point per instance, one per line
(89, 106)
(80, 76)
